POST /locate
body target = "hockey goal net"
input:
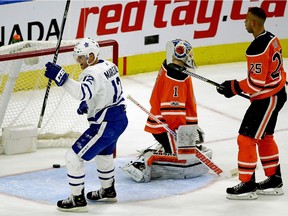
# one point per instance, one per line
(23, 86)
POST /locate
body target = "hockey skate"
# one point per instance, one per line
(272, 185)
(73, 204)
(243, 191)
(103, 194)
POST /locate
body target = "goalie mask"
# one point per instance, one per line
(183, 51)
(85, 47)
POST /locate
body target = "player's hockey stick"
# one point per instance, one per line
(203, 158)
(169, 54)
(54, 61)
(190, 73)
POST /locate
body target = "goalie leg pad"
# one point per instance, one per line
(170, 167)
(139, 171)
(186, 142)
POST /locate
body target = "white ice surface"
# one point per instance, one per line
(220, 119)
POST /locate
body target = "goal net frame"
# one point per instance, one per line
(27, 53)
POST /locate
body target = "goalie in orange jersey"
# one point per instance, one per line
(172, 99)
(173, 103)
(266, 86)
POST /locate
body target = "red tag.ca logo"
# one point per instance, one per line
(183, 13)
(117, 18)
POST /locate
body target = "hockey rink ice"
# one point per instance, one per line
(30, 186)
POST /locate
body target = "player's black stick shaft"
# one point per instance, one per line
(209, 81)
(54, 61)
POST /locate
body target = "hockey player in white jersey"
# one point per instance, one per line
(99, 92)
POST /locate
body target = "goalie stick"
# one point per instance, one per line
(54, 61)
(203, 158)
(169, 54)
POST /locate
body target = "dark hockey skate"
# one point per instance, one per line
(73, 204)
(103, 194)
(243, 191)
(272, 185)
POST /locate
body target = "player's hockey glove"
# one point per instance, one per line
(83, 108)
(229, 88)
(56, 73)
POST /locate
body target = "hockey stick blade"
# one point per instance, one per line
(202, 157)
(230, 174)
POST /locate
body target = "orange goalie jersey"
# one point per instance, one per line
(172, 100)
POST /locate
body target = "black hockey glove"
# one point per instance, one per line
(229, 88)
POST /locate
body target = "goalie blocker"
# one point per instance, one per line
(187, 137)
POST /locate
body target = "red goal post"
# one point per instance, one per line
(63, 49)
(23, 84)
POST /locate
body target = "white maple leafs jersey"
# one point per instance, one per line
(100, 86)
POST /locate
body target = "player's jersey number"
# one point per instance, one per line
(117, 89)
(257, 67)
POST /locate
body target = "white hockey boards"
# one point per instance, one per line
(23, 84)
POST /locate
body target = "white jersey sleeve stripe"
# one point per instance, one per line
(86, 91)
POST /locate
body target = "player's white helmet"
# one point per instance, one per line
(183, 51)
(86, 46)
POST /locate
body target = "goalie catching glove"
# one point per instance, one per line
(229, 88)
(56, 73)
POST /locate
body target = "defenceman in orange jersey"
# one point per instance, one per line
(173, 103)
(266, 86)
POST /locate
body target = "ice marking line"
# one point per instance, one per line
(219, 112)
